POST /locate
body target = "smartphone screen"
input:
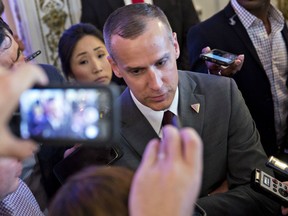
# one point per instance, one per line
(69, 114)
(83, 157)
(219, 57)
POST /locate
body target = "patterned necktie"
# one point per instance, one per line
(137, 1)
(169, 118)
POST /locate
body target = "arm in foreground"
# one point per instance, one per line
(169, 178)
(12, 84)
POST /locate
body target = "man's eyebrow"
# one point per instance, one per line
(128, 68)
(166, 55)
(133, 68)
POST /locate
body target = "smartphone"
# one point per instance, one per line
(219, 57)
(32, 56)
(269, 186)
(66, 114)
(279, 166)
(83, 157)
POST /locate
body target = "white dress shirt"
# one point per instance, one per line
(155, 117)
(127, 2)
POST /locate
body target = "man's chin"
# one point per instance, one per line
(159, 106)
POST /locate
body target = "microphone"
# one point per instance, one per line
(231, 20)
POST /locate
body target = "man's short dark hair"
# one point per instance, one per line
(130, 22)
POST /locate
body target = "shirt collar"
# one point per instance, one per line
(247, 19)
(155, 117)
(127, 2)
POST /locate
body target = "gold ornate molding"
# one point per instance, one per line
(53, 15)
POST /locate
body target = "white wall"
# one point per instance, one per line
(40, 24)
(209, 7)
(27, 20)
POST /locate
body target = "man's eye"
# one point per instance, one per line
(135, 71)
(161, 63)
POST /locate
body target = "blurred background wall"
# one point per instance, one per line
(39, 23)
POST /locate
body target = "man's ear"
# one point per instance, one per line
(176, 45)
(114, 67)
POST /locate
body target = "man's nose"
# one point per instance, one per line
(155, 79)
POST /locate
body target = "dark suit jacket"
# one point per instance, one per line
(53, 74)
(180, 13)
(232, 147)
(217, 32)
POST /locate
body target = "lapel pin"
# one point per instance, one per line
(196, 107)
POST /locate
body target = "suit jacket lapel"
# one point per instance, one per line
(285, 35)
(134, 124)
(188, 96)
(136, 130)
(241, 31)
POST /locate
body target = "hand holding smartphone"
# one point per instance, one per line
(219, 57)
(65, 114)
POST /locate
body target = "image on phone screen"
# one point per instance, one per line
(84, 114)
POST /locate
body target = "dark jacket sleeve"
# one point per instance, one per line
(244, 154)
(54, 76)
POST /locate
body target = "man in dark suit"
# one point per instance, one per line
(257, 30)
(180, 13)
(143, 50)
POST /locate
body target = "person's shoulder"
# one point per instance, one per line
(49, 68)
(124, 92)
(53, 73)
(204, 81)
(198, 76)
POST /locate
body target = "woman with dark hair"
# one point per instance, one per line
(83, 54)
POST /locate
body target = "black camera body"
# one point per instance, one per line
(69, 114)
(270, 186)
